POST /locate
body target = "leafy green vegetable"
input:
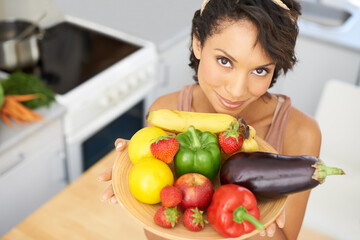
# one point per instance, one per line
(19, 83)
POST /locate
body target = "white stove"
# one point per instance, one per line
(99, 74)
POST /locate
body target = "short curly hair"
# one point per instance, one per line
(277, 27)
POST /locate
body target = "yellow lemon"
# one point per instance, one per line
(148, 177)
(139, 144)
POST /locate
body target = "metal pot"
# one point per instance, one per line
(18, 53)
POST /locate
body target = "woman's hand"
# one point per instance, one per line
(108, 194)
(270, 230)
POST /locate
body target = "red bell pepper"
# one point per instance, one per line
(233, 211)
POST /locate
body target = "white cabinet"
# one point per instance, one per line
(318, 62)
(32, 171)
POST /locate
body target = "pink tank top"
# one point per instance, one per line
(276, 132)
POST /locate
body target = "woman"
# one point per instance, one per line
(239, 48)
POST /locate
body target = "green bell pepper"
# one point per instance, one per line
(198, 152)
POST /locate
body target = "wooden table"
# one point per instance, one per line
(78, 213)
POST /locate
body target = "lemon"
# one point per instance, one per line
(147, 178)
(139, 145)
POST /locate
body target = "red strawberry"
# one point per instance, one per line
(231, 139)
(167, 217)
(170, 196)
(193, 219)
(164, 148)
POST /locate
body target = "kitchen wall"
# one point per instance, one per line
(30, 10)
(168, 26)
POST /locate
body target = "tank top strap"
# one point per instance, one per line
(185, 98)
(276, 132)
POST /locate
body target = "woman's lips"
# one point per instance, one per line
(228, 103)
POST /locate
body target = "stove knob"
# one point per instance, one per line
(123, 88)
(142, 76)
(113, 95)
(104, 101)
(133, 82)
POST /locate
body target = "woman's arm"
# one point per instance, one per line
(302, 137)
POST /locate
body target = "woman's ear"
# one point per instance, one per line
(196, 46)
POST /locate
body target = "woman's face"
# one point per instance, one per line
(233, 71)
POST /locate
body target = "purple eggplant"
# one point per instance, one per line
(272, 175)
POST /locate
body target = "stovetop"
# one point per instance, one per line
(71, 54)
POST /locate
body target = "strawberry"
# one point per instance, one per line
(167, 217)
(170, 196)
(231, 139)
(193, 219)
(164, 148)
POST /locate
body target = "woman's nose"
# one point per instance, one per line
(236, 85)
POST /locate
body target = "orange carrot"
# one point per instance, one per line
(23, 98)
(13, 114)
(13, 109)
(20, 109)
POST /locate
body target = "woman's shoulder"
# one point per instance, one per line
(302, 136)
(168, 101)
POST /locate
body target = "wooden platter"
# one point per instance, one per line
(144, 213)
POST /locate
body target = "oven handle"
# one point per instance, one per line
(112, 113)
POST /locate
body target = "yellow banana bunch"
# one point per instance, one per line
(179, 121)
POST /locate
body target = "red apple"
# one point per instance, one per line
(197, 191)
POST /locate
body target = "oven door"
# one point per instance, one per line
(84, 151)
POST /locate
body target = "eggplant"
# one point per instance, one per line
(272, 175)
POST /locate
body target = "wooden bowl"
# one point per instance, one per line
(144, 213)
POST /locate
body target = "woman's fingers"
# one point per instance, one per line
(120, 144)
(280, 221)
(105, 176)
(108, 194)
(113, 200)
(270, 231)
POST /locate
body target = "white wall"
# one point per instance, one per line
(318, 62)
(30, 10)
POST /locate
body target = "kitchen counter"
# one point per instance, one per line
(78, 213)
(9, 136)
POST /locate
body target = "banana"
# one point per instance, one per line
(179, 121)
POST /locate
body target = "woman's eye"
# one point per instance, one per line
(224, 62)
(261, 71)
